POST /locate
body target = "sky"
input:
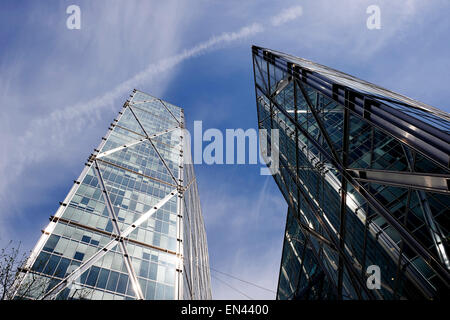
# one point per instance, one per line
(60, 89)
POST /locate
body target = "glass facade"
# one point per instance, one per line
(365, 172)
(131, 227)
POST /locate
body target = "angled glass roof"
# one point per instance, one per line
(417, 109)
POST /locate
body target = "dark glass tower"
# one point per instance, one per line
(131, 227)
(365, 172)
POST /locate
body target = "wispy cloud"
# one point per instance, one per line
(49, 75)
(340, 28)
(250, 228)
(287, 15)
(84, 109)
(41, 125)
(46, 134)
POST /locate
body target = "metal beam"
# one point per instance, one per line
(416, 134)
(306, 234)
(440, 270)
(132, 274)
(154, 147)
(99, 254)
(317, 235)
(321, 126)
(135, 172)
(436, 233)
(155, 115)
(354, 275)
(164, 105)
(130, 144)
(343, 204)
(425, 181)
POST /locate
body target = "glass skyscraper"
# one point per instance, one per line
(131, 227)
(365, 173)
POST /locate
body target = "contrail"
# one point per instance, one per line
(286, 16)
(73, 119)
(77, 110)
(57, 120)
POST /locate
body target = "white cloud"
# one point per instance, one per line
(54, 132)
(37, 126)
(287, 15)
(59, 117)
(49, 133)
(332, 30)
(245, 233)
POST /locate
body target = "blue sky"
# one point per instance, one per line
(60, 89)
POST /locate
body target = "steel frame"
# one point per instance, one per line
(421, 136)
(120, 237)
(371, 111)
(51, 226)
(374, 229)
(315, 209)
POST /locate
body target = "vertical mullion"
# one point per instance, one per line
(367, 222)
(136, 286)
(180, 216)
(402, 244)
(343, 200)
